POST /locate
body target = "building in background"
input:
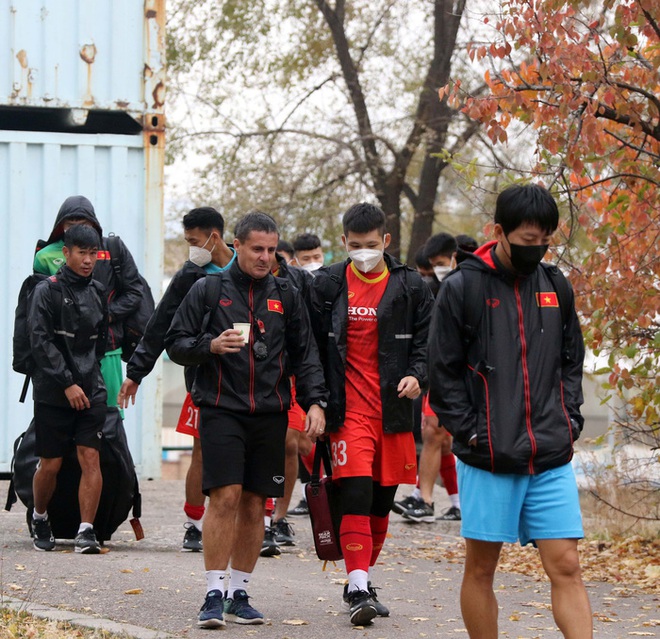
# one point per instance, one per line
(82, 87)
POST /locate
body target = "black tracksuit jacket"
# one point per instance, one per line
(403, 314)
(152, 344)
(67, 345)
(517, 383)
(121, 301)
(239, 382)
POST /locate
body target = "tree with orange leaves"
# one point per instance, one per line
(586, 78)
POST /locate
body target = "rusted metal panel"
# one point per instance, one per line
(83, 54)
(122, 176)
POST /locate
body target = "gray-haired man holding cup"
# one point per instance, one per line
(259, 335)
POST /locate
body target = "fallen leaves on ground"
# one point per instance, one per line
(15, 625)
(631, 561)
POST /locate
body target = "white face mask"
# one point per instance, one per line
(312, 266)
(366, 259)
(441, 272)
(200, 255)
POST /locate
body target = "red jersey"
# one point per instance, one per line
(365, 291)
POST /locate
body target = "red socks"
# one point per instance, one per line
(356, 542)
(194, 512)
(448, 473)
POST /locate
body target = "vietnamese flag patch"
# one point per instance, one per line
(547, 299)
(275, 306)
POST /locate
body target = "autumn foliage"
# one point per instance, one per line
(585, 77)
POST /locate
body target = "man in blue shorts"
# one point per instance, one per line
(505, 371)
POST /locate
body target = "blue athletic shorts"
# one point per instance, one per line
(498, 507)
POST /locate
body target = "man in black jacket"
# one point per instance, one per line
(123, 297)
(203, 229)
(245, 340)
(506, 383)
(67, 324)
(371, 316)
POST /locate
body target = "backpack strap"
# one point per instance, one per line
(473, 302)
(56, 294)
(286, 296)
(115, 262)
(333, 284)
(11, 493)
(562, 288)
(212, 292)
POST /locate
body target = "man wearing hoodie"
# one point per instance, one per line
(202, 229)
(67, 323)
(506, 382)
(123, 297)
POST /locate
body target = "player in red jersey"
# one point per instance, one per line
(371, 316)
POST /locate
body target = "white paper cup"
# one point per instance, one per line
(244, 327)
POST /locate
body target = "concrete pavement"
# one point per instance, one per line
(419, 573)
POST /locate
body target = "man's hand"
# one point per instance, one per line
(229, 341)
(77, 398)
(315, 422)
(409, 387)
(127, 392)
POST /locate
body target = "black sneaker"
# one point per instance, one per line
(399, 507)
(239, 610)
(362, 608)
(381, 609)
(85, 542)
(269, 547)
(192, 540)
(300, 510)
(42, 535)
(284, 532)
(421, 511)
(451, 514)
(211, 613)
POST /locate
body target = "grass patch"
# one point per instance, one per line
(20, 625)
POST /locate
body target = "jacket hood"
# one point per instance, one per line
(482, 257)
(77, 206)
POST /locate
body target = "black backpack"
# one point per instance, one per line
(22, 361)
(120, 493)
(136, 322)
(474, 297)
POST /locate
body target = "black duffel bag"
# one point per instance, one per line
(120, 493)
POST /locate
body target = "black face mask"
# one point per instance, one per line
(525, 259)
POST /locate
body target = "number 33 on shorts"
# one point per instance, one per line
(338, 450)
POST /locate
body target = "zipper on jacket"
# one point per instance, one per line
(249, 346)
(528, 398)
